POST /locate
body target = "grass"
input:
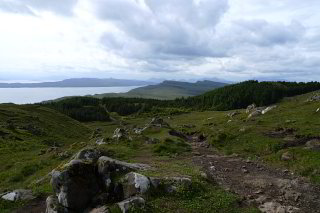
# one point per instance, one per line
(28, 131)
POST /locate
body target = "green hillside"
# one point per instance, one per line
(33, 141)
(168, 90)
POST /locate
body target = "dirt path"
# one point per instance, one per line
(271, 190)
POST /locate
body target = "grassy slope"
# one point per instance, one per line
(168, 90)
(27, 130)
(254, 143)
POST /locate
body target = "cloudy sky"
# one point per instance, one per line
(174, 39)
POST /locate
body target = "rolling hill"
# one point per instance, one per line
(168, 90)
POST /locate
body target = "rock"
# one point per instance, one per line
(75, 185)
(316, 97)
(313, 145)
(88, 154)
(250, 108)
(274, 207)
(243, 129)
(287, 156)
(170, 184)
(53, 205)
(19, 194)
(152, 141)
(100, 141)
(318, 110)
(261, 199)
(108, 167)
(64, 155)
(232, 114)
(268, 109)
(135, 184)
(204, 175)
(120, 134)
(158, 122)
(292, 195)
(255, 113)
(130, 203)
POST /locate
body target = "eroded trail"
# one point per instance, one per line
(272, 190)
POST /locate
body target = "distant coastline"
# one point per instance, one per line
(79, 82)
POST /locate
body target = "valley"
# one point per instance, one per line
(258, 159)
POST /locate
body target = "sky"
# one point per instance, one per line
(234, 40)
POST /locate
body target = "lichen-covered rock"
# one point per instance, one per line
(53, 205)
(75, 185)
(169, 184)
(129, 203)
(135, 184)
(255, 113)
(250, 108)
(108, 168)
(88, 154)
(19, 194)
(120, 134)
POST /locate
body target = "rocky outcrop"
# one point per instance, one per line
(91, 182)
(75, 185)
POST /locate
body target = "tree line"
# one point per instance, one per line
(233, 96)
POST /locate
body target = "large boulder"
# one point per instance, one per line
(75, 185)
(135, 184)
(129, 203)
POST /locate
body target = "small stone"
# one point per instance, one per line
(287, 156)
(213, 168)
(245, 171)
(204, 175)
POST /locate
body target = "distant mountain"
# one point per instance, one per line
(79, 82)
(168, 90)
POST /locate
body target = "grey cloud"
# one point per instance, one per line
(175, 28)
(61, 7)
(260, 32)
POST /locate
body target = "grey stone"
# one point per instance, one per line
(135, 184)
(131, 202)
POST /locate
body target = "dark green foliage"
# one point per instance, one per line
(81, 109)
(241, 95)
